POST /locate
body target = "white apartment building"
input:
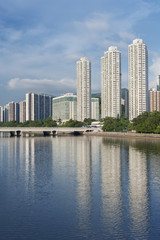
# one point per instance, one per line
(83, 89)
(64, 107)
(22, 111)
(95, 108)
(1, 114)
(111, 83)
(138, 78)
(31, 106)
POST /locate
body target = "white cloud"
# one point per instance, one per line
(43, 57)
(43, 85)
(154, 69)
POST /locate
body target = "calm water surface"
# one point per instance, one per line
(79, 188)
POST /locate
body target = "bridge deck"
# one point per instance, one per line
(42, 129)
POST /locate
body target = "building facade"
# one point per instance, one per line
(64, 107)
(45, 106)
(22, 111)
(95, 108)
(138, 78)
(111, 83)
(158, 83)
(126, 104)
(38, 106)
(1, 114)
(31, 106)
(6, 113)
(83, 89)
(154, 100)
(13, 111)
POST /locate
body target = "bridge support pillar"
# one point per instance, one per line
(15, 133)
(12, 133)
(46, 133)
(18, 133)
(54, 133)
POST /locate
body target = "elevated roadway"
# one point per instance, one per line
(18, 131)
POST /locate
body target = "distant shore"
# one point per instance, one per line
(123, 134)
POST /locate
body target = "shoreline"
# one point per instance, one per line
(124, 135)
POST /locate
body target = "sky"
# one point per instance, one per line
(41, 40)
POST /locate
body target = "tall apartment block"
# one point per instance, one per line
(64, 107)
(138, 78)
(95, 108)
(1, 114)
(83, 89)
(45, 106)
(154, 100)
(22, 111)
(13, 111)
(38, 106)
(111, 83)
(126, 104)
(31, 106)
(158, 83)
(6, 113)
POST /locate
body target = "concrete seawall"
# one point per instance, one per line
(123, 134)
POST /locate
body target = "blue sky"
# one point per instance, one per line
(41, 40)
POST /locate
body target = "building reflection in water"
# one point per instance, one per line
(84, 173)
(63, 158)
(29, 145)
(138, 191)
(111, 187)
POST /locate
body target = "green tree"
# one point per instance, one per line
(73, 123)
(88, 121)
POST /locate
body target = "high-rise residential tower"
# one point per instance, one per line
(13, 111)
(1, 114)
(6, 113)
(31, 106)
(22, 111)
(111, 83)
(158, 83)
(83, 89)
(154, 100)
(138, 78)
(38, 106)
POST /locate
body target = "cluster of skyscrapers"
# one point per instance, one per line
(34, 107)
(138, 98)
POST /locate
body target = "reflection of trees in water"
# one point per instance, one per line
(143, 145)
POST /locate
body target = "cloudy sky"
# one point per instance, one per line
(41, 40)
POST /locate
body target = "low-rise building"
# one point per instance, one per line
(64, 107)
(95, 108)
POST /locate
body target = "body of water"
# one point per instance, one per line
(79, 188)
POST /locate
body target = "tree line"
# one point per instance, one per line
(48, 122)
(144, 123)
